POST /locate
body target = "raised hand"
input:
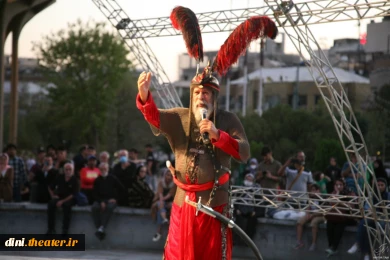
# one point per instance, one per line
(144, 85)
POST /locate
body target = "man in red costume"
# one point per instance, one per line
(198, 236)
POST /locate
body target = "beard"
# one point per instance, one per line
(196, 110)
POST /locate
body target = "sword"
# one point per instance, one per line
(228, 222)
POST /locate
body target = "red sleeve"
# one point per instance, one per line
(227, 144)
(149, 110)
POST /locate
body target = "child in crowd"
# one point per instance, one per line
(321, 180)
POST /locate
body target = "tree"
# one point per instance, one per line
(83, 67)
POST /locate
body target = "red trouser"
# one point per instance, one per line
(196, 237)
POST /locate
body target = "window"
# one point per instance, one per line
(302, 100)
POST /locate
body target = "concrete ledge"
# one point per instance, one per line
(133, 229)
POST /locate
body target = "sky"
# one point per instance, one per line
(57, 17)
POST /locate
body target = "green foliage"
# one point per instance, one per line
(84, 66)
(285, 131)
(256, 149)
(327, 148)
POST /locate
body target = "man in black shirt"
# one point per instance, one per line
(62, 192)
(44, 177)
(106, 189)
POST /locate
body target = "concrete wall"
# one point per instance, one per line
(133, 229)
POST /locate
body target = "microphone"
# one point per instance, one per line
(205, 136)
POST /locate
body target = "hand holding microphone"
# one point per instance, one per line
(205, 135)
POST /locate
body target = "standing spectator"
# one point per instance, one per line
(246, 216)
(348, 171)
(322, 181)
(106, 190)
(379, 170)
(80, 160)
(267, 175)
(139, 192)
(166, 191)
(44, 178)
(133, 156)
(124, 170)
(20, 176)
(104, 157)
(314, 218)
(151, 166)
(298, 178)
(62, 155)
(62, 192)
(335, 224)
(6, 179)
(52, 151)
(88, 176)
(333, 172)
(39, 162)
(91, 150)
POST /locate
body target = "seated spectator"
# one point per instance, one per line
(246, 215)
(124, 170)
(105, 190)
(362, 240)
(6, 179)
(314, 218)
(87, 177)
(139, 192)
(322, 181)
(26, 191)
(62, 192)
(335, 224)
(166, 190)
(44, 177)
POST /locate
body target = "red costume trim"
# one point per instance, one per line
(149, 110)
(227, 144)
(201, 187)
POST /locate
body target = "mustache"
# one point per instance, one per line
(202, 104)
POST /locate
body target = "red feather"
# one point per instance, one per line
(184, 19)
(238, 41)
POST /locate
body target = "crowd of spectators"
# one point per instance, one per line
(87, 179)
(295, 176)
(104, 181)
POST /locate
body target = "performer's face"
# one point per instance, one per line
(202, 98)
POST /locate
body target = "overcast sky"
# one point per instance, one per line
(58, 15)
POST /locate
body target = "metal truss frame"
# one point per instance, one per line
(326, 204)
(141, 54)
(306, 13)
(340, 110)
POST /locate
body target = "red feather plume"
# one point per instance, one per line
(184, 19)
(238, 41)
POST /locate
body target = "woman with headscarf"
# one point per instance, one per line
(6, 179)
(335, 224)
(362, 240)
(163, 199)
(139, 192)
